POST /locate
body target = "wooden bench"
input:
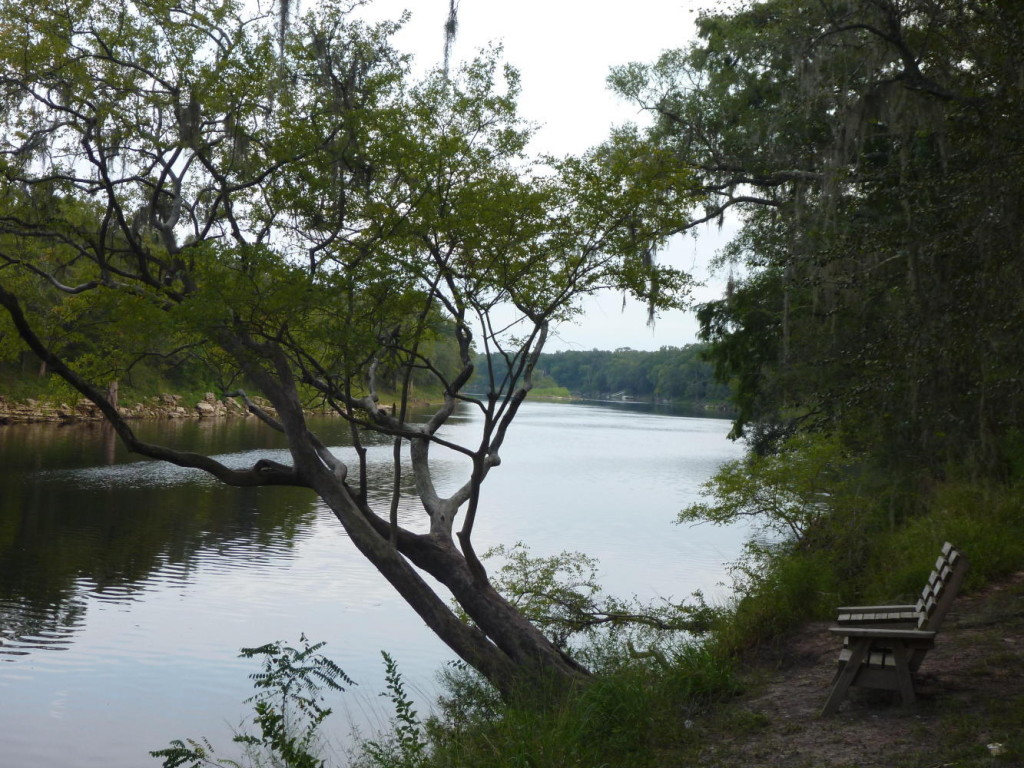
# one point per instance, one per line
(883, 645)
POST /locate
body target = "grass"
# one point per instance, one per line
(20, 385)
(624, 718)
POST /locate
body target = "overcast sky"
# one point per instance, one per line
(564, 50)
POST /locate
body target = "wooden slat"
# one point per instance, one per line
(901, 617)
(873, 608)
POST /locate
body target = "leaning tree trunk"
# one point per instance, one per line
(500, 643)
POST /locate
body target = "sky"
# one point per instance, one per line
(564, 50)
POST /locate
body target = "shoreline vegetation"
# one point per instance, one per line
(675, 377)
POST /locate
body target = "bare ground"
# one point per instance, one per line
(970, 696)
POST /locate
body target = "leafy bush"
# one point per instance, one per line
(562, 596)
(405, 746)
(288, 711)
(817, 515)
(786, 493)
(650, 669)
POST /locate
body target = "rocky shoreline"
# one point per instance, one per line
(165, 406)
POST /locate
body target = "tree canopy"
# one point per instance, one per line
(287, 202)
(871, 149)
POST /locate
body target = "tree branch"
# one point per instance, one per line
(263, 472)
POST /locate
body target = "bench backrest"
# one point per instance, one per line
(942, 587)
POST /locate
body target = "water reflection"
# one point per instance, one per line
(75, 526)
(74, 529)
(28, 626)
(64, 540)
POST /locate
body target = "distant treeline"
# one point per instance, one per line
(678, 374)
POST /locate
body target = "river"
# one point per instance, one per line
(127, 586)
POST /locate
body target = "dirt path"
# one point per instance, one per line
(971, 695)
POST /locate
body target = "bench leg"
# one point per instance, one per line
(858, 652)
(904, 681)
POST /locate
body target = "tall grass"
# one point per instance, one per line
(622, 718)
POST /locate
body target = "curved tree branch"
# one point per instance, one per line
(263, 472)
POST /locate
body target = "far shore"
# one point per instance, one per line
(170, 406)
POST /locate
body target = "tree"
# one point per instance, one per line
(283, 197)
(872, 150)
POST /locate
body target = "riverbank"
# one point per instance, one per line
(969, 711)
(970, 708)
(164, 406)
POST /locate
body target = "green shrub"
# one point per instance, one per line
(406, 745)
(288, 711)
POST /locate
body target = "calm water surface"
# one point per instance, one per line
(127, 587)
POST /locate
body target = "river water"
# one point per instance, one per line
(127, 586)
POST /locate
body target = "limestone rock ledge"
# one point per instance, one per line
(165, 406)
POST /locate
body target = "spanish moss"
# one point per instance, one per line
(451, 29)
